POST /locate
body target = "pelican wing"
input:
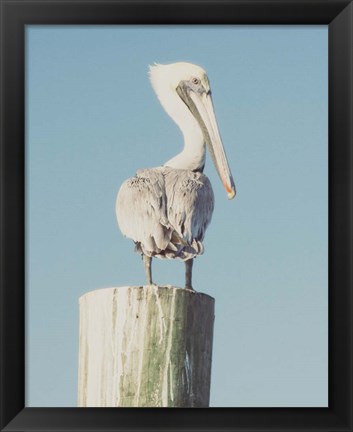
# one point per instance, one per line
(166, 211)
(189, 207)
(141, 211)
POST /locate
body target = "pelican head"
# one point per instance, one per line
(184, 91)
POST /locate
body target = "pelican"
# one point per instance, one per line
(166, 210)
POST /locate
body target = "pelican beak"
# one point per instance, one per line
(201, 106)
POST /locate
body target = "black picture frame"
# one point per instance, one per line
(15, 14)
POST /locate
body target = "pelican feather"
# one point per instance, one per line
(166, 212)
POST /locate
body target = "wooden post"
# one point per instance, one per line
(145, 346)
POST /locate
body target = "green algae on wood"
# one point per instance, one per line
(145, 346)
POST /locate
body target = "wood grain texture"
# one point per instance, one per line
(145, 346)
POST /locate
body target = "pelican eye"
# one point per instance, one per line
(195, 81)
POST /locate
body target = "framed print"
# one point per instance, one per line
(258, 331)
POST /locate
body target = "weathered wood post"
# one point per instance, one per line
(145, 346)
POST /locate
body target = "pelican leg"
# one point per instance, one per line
(147, 262)
(188, 273)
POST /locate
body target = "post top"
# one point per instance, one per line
(160, 289)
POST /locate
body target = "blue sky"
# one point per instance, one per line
(92, 120)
